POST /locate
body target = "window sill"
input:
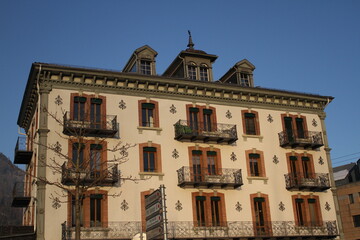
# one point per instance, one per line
(144, 174)
(265, 179)
(246, 136)
(141, 129)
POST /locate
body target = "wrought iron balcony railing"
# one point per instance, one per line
(201, 132)
(106, 177)
(305, 139)
(316, 182)
(191, 230)
(189, 177)
(24, 231)
(20, 197)
(22, 154)
(88, 125)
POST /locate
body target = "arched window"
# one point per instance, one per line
(192, 71)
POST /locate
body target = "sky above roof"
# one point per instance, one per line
(305, 46)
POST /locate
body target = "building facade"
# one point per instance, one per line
(237, 161)
(347, 181)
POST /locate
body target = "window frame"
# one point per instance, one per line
(157, 159)
(256, 123)
(202, 111)
(299, 164)
(261, 163)
(204, 162)
(295, 126)
(204, 73)
(192, 71)
(307, 200)
(145, 66)
(244, 81)
(86, 208)
(267, 216)
(208, 214)
(155, 111)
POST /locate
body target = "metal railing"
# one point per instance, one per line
(314, 181)
(107, 176)
(192, 230)
(210, 176)
(22, 154)
(90, 125)
(204, 131)
(301, 138)
(21, 144)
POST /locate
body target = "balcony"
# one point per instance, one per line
(107, 177)
(99, 126)
(222, 178)
(314, 182)
(17, 232)
(22, 154)
(20, 197)
(305, 139)
(226, 230)
(214, 133)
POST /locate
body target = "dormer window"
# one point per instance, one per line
(192, 71)
(244, 79)
(204, 73)
(145, 67)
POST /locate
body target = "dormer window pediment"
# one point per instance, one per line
(241, 74)
(142, 61)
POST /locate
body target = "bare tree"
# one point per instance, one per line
(87, 164)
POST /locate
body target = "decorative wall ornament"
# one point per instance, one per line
(173, 109)
(238, 207)
(58, 100)
(123, 151)
(327, 206)
(175, 154)
(321, 160)
(178, 206)
(56, 203)
(124, 205)
(314, 123)
(275, 159)
(281, 206)
(122, 105)
(233, 157)
(57, 147)
(270, 118)
(228, 114)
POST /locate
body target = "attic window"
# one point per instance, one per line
(204, 76)
(192, 71)
(233, 79)
(145, 67)
(244, 79)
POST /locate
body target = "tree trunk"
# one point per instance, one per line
(77, 213)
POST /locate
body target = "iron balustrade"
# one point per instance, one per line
(22, 154)
(209, 177)
(307, 181)
(21, 196)
(87, 125)
(205, 132)
(191, 230)
(105, 177)
(305, 139)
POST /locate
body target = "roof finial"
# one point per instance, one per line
(190, 44)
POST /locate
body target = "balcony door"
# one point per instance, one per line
(194, 120)
(95, 113)
(260, 216)
(289, 129)
(197, 166)
(207, 116)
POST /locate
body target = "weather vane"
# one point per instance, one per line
(190, 44)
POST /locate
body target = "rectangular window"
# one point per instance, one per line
(356, 219)
(351, 198)
(250, 124)
(147, 114)
(78, 155)
(300, 127)
(300, 211)
(207, 115)
(73, 212)
(149, 156)
(196, 161)
(95, 160)
(244, 80)
(145, 67)
(254, 160)
(211, 162)
(215, 211)
(95, 210)
(95, 112)
(79, 108)
(192, 72)
(200, 210)
(204, 74)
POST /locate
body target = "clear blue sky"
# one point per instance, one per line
(306, 46)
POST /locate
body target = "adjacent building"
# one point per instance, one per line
(347, 180)
(237, 161)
